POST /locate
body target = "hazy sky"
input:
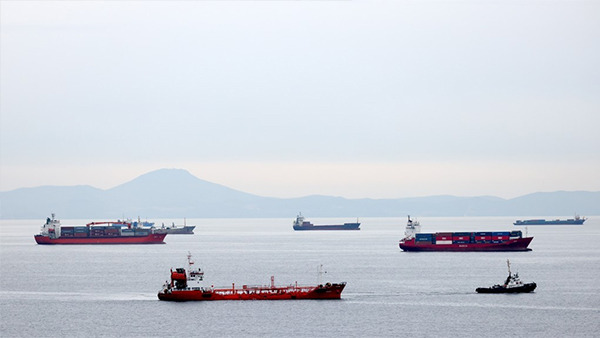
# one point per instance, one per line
(289, 98)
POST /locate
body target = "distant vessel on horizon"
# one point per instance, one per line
(170, 230)
(577, 220)
(301, 224)
(176, 229)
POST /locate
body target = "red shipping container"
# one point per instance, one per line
(461, 238)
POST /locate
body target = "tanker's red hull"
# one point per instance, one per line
(328, 291)
(518, 244)
(149, 239)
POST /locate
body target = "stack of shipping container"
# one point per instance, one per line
(80, 231)
(441, 238)
(66, 231)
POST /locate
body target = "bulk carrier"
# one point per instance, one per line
(301, 224)
(570, 221)
(96, 233)
(176, 229)
(462, 241)
(185, 285)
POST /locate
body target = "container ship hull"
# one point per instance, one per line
(330, 291)
(345, 226)
(148, 239)
(519, 244)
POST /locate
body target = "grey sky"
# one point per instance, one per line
(289, 98)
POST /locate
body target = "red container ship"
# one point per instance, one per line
(462, 241)
(301, 224)
(94, 233)
(185, 286)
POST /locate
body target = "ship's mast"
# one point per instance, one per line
(190, 261)
(194, 274)
(320, 273)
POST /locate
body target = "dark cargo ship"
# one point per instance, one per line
(93, 233)
(575, 221)
(301, 224)
(176, 229)
(462, 241)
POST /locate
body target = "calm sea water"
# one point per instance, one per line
(110, 290)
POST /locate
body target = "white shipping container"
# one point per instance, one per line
(443, 242)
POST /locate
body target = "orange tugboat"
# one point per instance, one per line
(185, 286)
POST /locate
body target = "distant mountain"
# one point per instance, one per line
(170, 193)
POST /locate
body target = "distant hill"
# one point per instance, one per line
(169, 193)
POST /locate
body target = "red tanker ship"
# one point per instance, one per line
(462, 241)
(93, 233)
(185, 286)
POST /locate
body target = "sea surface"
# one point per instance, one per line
(111, 290)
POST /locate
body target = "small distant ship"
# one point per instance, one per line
(512, 285)
(130, 223)
(176, 230)
(462, 241)
(53, 232)
(185, 285)
(576, 220)
(301, 224)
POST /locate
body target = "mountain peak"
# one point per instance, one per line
(168, 173)
(161, 180)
